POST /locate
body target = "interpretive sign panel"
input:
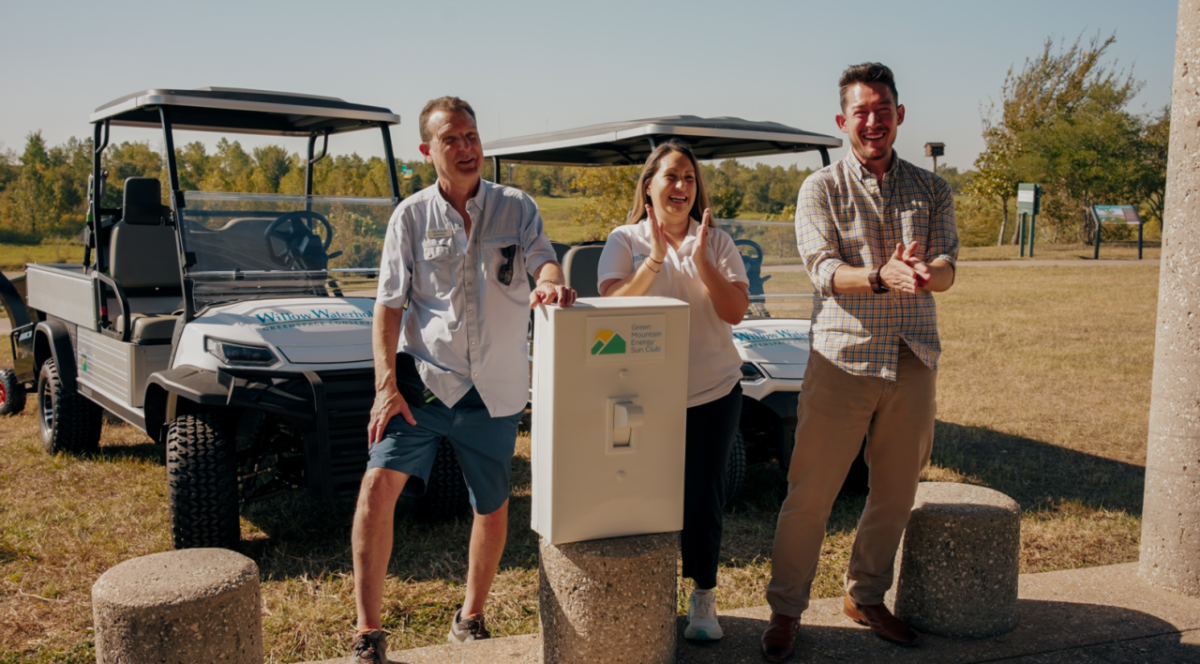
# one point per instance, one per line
(1117, 214)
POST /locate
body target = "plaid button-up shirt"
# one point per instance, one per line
(846, 216)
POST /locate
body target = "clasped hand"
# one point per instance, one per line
(904, 272)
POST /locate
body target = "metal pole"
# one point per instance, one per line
(1141, 226)
(1170, 544)
(1096, 252)
(1021, 234)
(1032, 234)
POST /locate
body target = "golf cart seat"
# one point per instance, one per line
(144, 262)
(582, 268)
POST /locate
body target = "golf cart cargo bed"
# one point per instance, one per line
(62, 290)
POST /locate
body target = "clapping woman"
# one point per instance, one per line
(669, 247)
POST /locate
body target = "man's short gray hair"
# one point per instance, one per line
(447, 104)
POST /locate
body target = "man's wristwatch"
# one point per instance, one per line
(876, 283)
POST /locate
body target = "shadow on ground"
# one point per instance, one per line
(300, 532)
(1046, 632)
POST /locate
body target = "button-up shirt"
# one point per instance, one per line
(463, 325)
(847, 216)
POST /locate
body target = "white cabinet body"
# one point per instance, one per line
(609, 418)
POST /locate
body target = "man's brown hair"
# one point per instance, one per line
(447, 104)
(867, 72)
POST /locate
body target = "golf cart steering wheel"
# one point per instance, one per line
(301, 247)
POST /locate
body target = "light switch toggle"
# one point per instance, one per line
(627, 416)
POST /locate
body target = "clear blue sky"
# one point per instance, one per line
(529, 65)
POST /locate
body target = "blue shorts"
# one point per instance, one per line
(484, 446)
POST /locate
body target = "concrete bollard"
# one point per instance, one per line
(195, 605)
(960, 561)
(1170, 547)
(610, 600)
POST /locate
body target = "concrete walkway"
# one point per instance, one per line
(1096, 615)
(1023, 262)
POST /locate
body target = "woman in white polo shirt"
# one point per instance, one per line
(669, 247)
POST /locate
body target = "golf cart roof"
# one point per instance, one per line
(621, 143)
(243, 111)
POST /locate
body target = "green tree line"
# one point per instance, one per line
(1063, 121)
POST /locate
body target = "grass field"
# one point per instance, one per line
(1043, 394)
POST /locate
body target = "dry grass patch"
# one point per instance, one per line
(1122, 250)
(1043, 394)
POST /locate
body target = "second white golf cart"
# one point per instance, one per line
(773, 340)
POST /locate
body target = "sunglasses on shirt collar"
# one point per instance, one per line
(505, 274)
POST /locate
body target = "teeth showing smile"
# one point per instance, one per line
(678, 199)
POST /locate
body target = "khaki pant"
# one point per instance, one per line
(836, 409)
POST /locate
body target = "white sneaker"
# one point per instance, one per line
(702, 617)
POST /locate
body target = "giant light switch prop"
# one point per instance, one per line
(609, 413)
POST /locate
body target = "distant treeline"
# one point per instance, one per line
(43, 190)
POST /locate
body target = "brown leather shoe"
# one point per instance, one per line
(881, 621)
(779, 640)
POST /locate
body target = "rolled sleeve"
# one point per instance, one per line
(816, 235)
(943, 226)
(395, 267)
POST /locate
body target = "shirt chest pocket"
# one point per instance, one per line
(432, 250)
(504, 263)
(435, 266)
(914, 224)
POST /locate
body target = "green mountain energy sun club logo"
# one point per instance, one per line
(608, 342)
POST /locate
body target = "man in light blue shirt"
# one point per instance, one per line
(456, 253)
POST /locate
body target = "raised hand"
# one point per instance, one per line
(700, 255)
(658, 238)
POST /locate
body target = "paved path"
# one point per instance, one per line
(1103, 262)
(1097, 615)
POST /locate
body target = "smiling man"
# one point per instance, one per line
(453, 364)
(878, 236)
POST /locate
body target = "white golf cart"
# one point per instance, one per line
(773, 340)
(228, 326)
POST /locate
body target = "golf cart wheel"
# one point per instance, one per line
(735, 470)
(67, 421)
(446, 495)
(787, 444)
(202, 482)
(12, 393)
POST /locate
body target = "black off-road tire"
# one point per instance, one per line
(446, 495)
(12, 393)
(202, 482)
(67, 421)
(735, 470)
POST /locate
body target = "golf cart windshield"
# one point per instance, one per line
(779, 285)
(256, 246)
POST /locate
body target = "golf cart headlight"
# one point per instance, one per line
(239, 355)
(751, 372)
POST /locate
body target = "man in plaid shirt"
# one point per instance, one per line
(878, 237)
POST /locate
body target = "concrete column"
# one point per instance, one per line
(195, 605)
(610, 600)
(1170, 550)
